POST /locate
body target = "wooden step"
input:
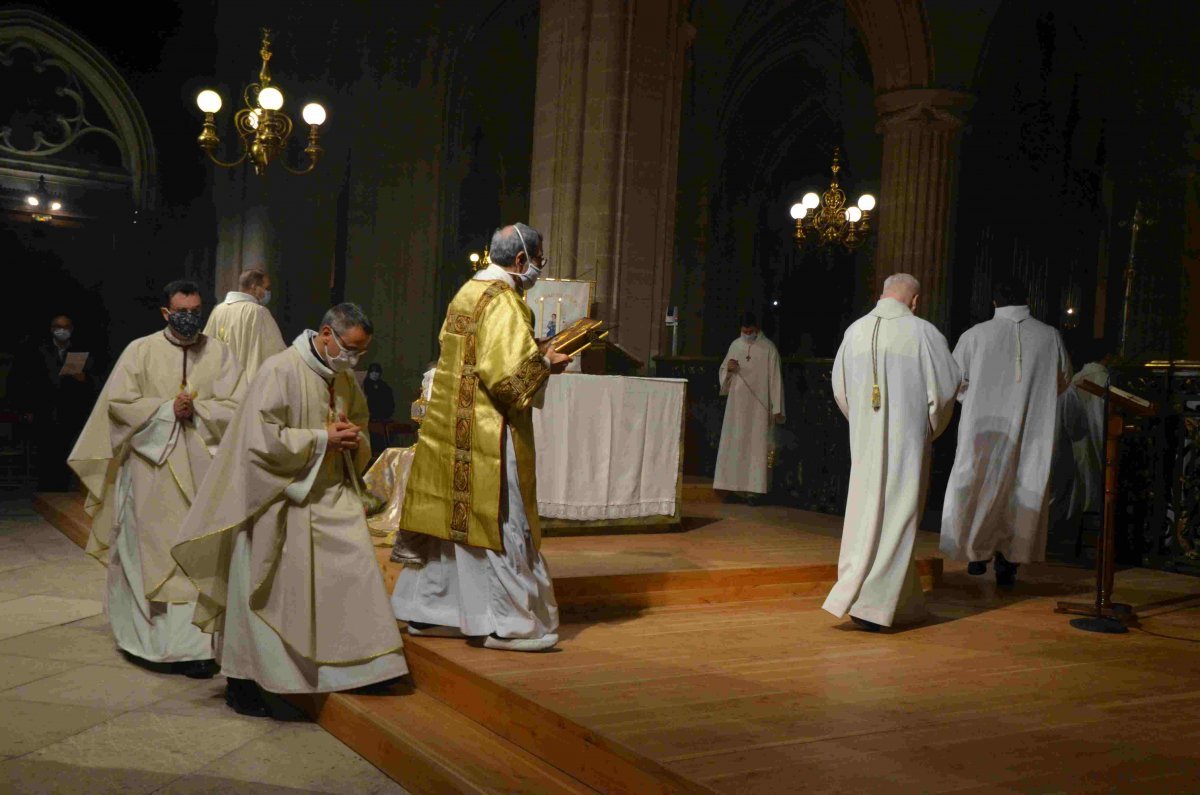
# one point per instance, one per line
(65, 511)
(709, 586)
(589, 757)
(583, 595)
(428, 747)
(699, 490)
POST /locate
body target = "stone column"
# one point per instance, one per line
(605, 149)
(921, 133)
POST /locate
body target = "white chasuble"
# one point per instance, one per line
(905, 362)
(141, 468)
(997, 500)
(247, 328)
(755, 394)
(277, 541)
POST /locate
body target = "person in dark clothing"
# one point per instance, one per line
(380, 401)
(57, 404)
(381, 404)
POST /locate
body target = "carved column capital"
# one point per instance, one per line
(927, 108)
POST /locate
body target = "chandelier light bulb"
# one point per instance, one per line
(1070, 310)
(853, 215)
(56, 206)
(270, 98)
(313, 113)
(799, 211)
(811, 200)
(32, 201)
(474, 257)
(866, 202)
(209, 101)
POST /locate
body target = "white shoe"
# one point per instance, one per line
(436, 631)
(544, 643)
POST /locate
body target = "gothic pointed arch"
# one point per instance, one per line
(76, 119)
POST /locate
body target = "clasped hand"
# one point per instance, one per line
(184, 408)
(733, 366)
(343, 434)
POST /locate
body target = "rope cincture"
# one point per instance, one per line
(876, 398)
(1018, 329)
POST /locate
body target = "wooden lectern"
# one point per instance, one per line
(1105, 615)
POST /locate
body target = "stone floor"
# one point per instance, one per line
(75, 716)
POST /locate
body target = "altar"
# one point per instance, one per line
(609, 458)
(610, 453)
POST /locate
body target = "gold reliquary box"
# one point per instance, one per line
(579, 335)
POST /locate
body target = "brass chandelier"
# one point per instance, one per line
(828, 219)
(262, 125)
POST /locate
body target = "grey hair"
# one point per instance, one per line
(343, 317)
(901, 282)
(506, 243)
(251, 278)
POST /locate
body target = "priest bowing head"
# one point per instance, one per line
(142, 457)
(277, 540)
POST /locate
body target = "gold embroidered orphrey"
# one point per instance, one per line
(464, 413)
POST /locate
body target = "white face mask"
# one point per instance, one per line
(61, 334)
(750, 337)
(266, 299)
(375, 376)
(529, 276)
(345, 360)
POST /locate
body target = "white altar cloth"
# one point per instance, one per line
(608, 447)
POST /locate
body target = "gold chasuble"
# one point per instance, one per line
(141, 466)
(489, 370)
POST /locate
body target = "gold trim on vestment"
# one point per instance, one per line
(178, 483)
(519, 388)
(464, 413)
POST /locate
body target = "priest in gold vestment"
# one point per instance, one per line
(473, 484)
(277, 540)
(142, 457)
(243, 322)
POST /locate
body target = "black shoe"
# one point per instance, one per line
(977, 567)
(244, 697)
(863, 624)
(199, 669)
(1006, 572)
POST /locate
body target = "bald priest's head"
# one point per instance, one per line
(903, 287)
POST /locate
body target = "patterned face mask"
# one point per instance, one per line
(185, 324)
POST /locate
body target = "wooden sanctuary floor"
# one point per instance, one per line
(739, 685)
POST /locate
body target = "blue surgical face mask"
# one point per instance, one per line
(375, 376)
(266, 299)
(61, 334)
(750, 337)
